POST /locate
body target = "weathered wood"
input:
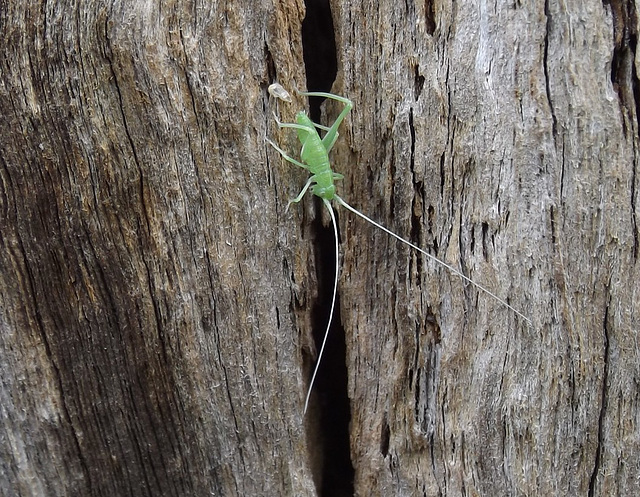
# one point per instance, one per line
(495, 135)
(149, 341)
(157, 304)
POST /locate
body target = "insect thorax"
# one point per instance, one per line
(304, 120)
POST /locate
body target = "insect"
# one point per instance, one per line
(314, 157)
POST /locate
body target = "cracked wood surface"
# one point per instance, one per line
(505, 146)
(155, 298)
(148, 346)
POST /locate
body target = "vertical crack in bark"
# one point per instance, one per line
(333, 411)
(418, 81)
(634, 220)
(562, 171)
(603, 402)
(554, 126)
(31, 289)
(319, 52)
(429, 17)
(125, 125)
(412, 131)
(417, 204)
(417, 219)
(385, 437)
(623, 72)
(624, 79)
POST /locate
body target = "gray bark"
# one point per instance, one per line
(158, 305)
(503, 137)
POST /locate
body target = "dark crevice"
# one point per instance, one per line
(485, 248)
(385, 437)
(331, 394)
(624, 79)
(431, 216)
(429, 17)
(392, 174)
(623, 74)
(603, 404)
(417, 221)
(319, 52)
(271, 66)
(554, 126)
(562, 171)
(330, 400)
(636, 240)
(552, 219)
(418, 83)
(412, 131)
(472, 244)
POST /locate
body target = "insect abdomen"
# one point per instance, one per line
(324, 187)
(315, 155)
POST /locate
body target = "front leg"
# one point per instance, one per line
(286, 156)
(332, 133)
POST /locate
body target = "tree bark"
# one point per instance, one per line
(503, 137)
(150, 343)
(159, 306)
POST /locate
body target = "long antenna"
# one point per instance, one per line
(333, 303)
(433, 258)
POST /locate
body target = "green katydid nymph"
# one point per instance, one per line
(314, 157)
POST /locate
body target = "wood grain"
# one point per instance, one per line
(158, 306)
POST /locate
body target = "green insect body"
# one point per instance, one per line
(315, 150)
(314, 154)
(315, 159)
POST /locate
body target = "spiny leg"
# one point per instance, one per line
(333, 303)
(286, 156)
(296, 125)
(297, 163)
(301, 194)
(320, 126)
(332, 133)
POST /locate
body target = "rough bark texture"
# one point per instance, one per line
(504, 137)
(157, 304)
(148, 346)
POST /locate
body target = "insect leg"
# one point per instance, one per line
(286, 156)
(332, 133)
(301, 194)
(292, 125)
(320, 126)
